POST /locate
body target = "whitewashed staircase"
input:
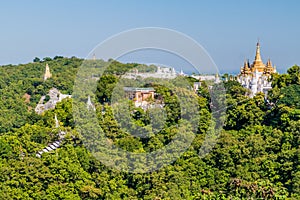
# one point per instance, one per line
(55, 144)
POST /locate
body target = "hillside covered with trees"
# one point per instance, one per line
(256, 156)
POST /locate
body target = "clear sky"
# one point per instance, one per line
(227, 29)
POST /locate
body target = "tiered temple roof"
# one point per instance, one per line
(257, 65)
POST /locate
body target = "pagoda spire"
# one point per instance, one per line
(246, 69)
(257, 55)
(246, 64)
(269, 64)
(47, 73)
(56, 121)
(257, 65)
(269, 69)
(89, 104)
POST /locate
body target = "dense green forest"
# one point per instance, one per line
(256, 156)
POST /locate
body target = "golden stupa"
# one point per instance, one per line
(257, 65)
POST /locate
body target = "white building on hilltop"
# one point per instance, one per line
(161, 72)
(55, 96)
(256, 77)
(215, 78)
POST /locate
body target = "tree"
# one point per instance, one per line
(105, 87)
(294, 73)
(256, 156)
(290, 96)
(47, 59)
(57, 57)
(36, 59)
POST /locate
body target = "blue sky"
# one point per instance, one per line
(228, 30)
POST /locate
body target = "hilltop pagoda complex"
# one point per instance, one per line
(256, 77)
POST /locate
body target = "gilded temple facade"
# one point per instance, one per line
(256, 77)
